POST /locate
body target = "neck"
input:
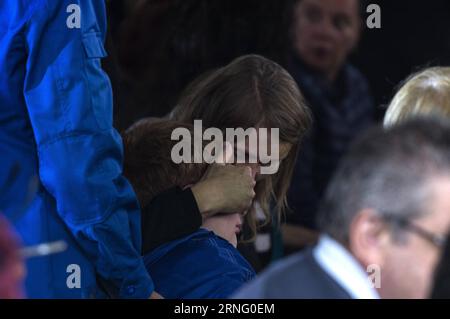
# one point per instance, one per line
(210, 226)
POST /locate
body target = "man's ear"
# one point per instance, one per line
(368, 236)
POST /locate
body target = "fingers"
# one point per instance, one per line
(247, 172)
(249, 184)
(232, 188)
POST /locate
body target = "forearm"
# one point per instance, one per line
(83, 174)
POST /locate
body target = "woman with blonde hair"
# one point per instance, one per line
(422, 94)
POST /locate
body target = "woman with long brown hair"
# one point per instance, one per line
(252, 92)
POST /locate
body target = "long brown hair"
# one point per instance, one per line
(251, 91)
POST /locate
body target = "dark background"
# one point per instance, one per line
(414, 34)
(157, 51)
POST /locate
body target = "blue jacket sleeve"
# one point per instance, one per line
(69, 102)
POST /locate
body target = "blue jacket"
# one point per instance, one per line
(56, 127)
(201, 265)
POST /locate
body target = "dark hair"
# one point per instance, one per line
(148, 164)
(387, 171)
(251, 91)
(165, 44)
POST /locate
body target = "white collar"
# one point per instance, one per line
(344, 269)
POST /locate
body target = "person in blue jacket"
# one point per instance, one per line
(56, 137)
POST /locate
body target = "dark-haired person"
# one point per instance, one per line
(252, 92)
(203, 263)
(384, 221)
(323, 34)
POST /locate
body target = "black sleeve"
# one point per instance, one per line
(169, 216)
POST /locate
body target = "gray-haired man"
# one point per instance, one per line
(384, 217)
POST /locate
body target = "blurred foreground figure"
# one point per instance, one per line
(56, 126)
(425, 93)
(12, 269)
(384, 221)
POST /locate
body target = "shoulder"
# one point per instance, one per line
(196, 248)
(277, 281)
(297, 277)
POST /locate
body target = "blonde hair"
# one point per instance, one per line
(425, 93)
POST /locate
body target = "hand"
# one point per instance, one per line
(155, 295)
(225, 188)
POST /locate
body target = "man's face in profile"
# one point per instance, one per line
(325, 32)
(410, 266)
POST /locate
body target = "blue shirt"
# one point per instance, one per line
(56, 129)
(201, 265)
